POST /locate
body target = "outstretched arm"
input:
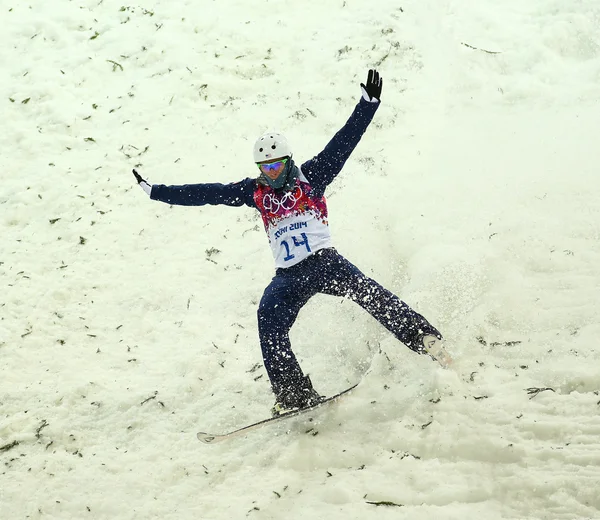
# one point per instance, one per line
(323, 168)
(234, 194)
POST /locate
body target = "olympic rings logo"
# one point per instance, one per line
(286, 202)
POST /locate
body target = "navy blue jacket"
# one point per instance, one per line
(319, 171)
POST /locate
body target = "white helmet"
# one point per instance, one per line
(271, 146)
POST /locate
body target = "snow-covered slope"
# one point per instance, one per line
(127, 325)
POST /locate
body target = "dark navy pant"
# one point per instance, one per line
(325, 272)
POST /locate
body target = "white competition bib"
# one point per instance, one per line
(295, 222)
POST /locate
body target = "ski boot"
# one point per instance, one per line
(434, 347)
(295, 396)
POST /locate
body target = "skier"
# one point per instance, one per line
(293, 208)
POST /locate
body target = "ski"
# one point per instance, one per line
(212, 438)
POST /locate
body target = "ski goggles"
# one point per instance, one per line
(274, 166)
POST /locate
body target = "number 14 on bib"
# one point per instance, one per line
(296, 243)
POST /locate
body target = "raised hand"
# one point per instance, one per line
(372, 90)
(142, 182)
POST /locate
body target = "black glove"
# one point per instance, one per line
(142, 182)
(372, 90)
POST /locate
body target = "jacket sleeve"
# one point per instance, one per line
(234, 194)
(323, 168)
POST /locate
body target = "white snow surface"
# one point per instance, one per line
(127, 325)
